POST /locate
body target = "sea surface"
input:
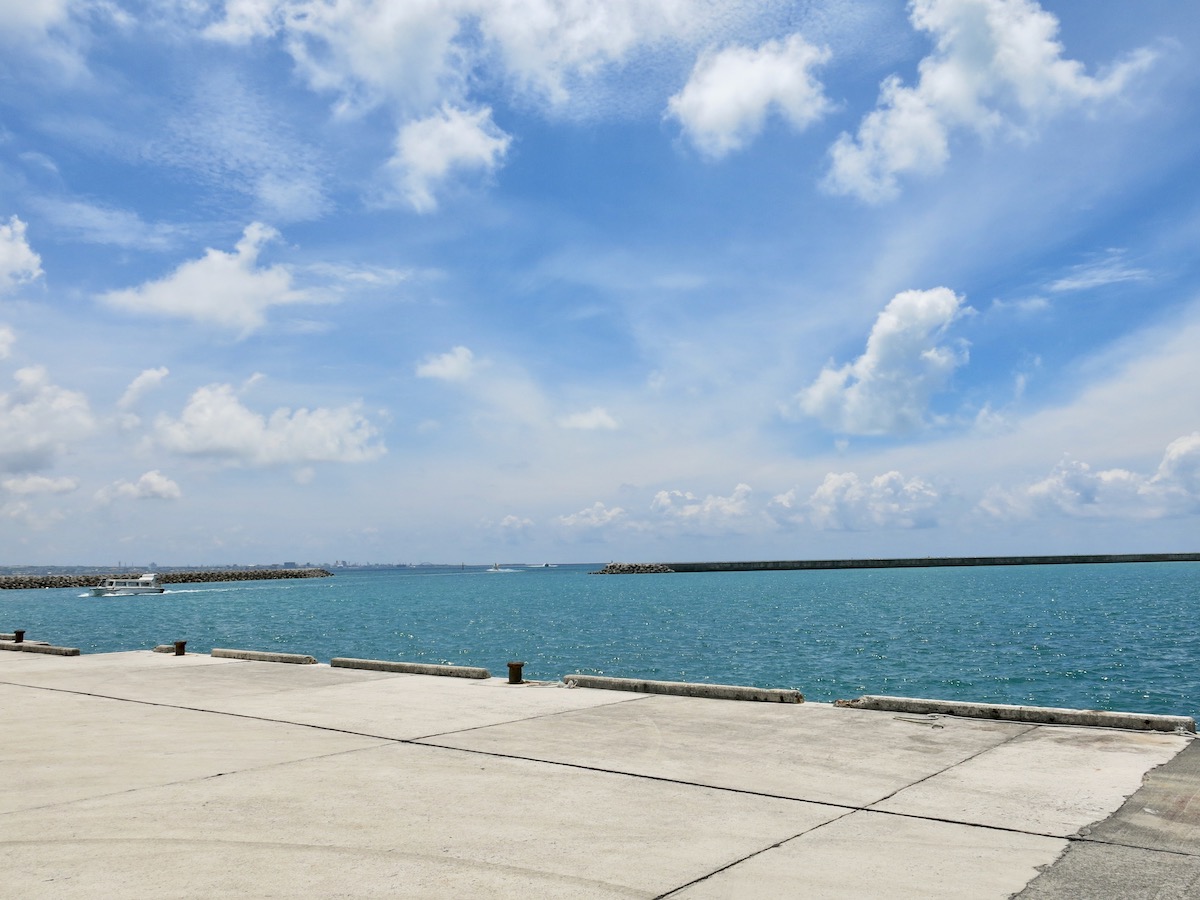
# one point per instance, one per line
(1115, 636)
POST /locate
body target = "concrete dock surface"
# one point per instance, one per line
(141, 774)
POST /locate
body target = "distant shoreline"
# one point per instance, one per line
(900, 563)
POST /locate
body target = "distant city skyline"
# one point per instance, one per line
(565, 282)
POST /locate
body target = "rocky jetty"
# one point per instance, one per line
(196, 576)
(616, 568)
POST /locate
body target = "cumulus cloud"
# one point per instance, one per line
(549, 46)
(908, 359)
(1075, 489)
(451, 141)
(147, 380)
(595, 419)
(214, 423)
(456, 365)
(996, 64)
(38, 484)
(845, 502)
(411, 56)
(153, 485)
(38, 419)
(595, 516)
(228, 290)
(512, 527)
(18, 263)
(713, 510)
(729, 94)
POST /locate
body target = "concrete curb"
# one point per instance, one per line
(39, 647)
(1034, 715)
(265, 656)
(684, 689)
(407, 668)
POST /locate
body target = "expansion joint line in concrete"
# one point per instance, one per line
(750, 856)
(545, 715)
(953, 765)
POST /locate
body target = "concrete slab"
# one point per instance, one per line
(810, 751)
(201, 777)
(868, 855)
(384, 704)
(58, 747)
(1051, 780)
(397, 820)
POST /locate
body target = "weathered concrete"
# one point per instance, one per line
(1039, 715)
(684, 688)
(409, 668)
(137, 774)
(38, 647)
(265, 656)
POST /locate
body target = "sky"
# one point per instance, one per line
(561, 281)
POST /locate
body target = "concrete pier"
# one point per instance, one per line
(145, 774)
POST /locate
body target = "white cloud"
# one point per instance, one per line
(1112, 269)
(1075, 489)
(216, 424)
(38, 419)
(595, 419)
(729, 94)
(366, 52)
(550, 46)
(38, 484)
(512, 525)
(844, 502)
(229, 290)
(153, 485)
(450, 141)
(907, 360)
(595, 516)
(456, 365)
(8, 337)
(47, 29)
(105, 225)
(147, 380)
(244, 20)
(713, 510)
(996, 64)
(18, 263)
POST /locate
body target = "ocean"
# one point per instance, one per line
(1113, 636)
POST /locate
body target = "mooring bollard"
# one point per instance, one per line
(514, 673)
(18, 636)
(179, 645)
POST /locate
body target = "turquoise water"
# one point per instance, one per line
(1100, 637)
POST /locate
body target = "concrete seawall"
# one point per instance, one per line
(908, 563)
(199, 576)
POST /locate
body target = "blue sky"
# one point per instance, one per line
(546, 280)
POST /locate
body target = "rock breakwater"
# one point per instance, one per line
(616, 568)
(196, 576)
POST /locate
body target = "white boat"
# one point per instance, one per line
(119, 587)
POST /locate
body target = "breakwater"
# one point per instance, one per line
(197, 576)
(904, 563)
